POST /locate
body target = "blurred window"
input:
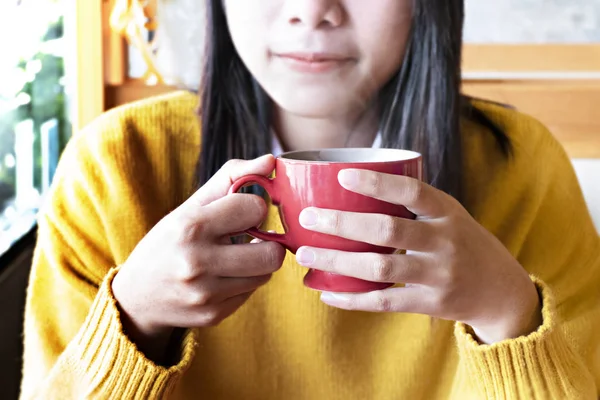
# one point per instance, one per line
(34, 123)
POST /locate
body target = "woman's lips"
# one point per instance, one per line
(313, 62)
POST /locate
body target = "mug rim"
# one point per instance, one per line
(409, 155)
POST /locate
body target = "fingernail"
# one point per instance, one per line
(329, 297)
(308, 218)
(348, 177)
(305, 256)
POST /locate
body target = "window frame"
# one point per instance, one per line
(89, 89)
(531, 61)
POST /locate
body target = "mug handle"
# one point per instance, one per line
(267, 184)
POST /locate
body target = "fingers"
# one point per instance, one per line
(418, 197)
(246, 260)
(231, 287)
(218, 186)
(232, 214)
(377, 229)
(214, 314)
(230, 305)
(412, 299)
(395, 268)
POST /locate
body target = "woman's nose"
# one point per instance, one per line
(315, 13)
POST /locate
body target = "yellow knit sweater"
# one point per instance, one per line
(133, 165)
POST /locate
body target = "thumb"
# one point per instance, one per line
(218, 186)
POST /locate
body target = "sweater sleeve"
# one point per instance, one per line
(561, 251)
(74, 344)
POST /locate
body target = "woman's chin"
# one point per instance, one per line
(317, 101)
(318, 108)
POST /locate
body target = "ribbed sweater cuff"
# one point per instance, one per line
(112, 364)
(539, 366)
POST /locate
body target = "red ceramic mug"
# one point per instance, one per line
(310, 179)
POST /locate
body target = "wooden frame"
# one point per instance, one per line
(557, 84)
(89, 92)
(567, 108)
(113, 48)
(131, 90)
(570, 60)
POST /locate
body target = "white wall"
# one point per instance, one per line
(532, 21)
(588, 172)
(180, 41)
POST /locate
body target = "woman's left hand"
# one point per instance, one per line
(453, 268)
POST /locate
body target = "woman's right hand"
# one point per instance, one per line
(186, 273)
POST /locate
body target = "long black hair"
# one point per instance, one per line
(421, 106)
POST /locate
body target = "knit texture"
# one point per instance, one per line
(135, 164)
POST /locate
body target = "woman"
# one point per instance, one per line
(138, 292)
